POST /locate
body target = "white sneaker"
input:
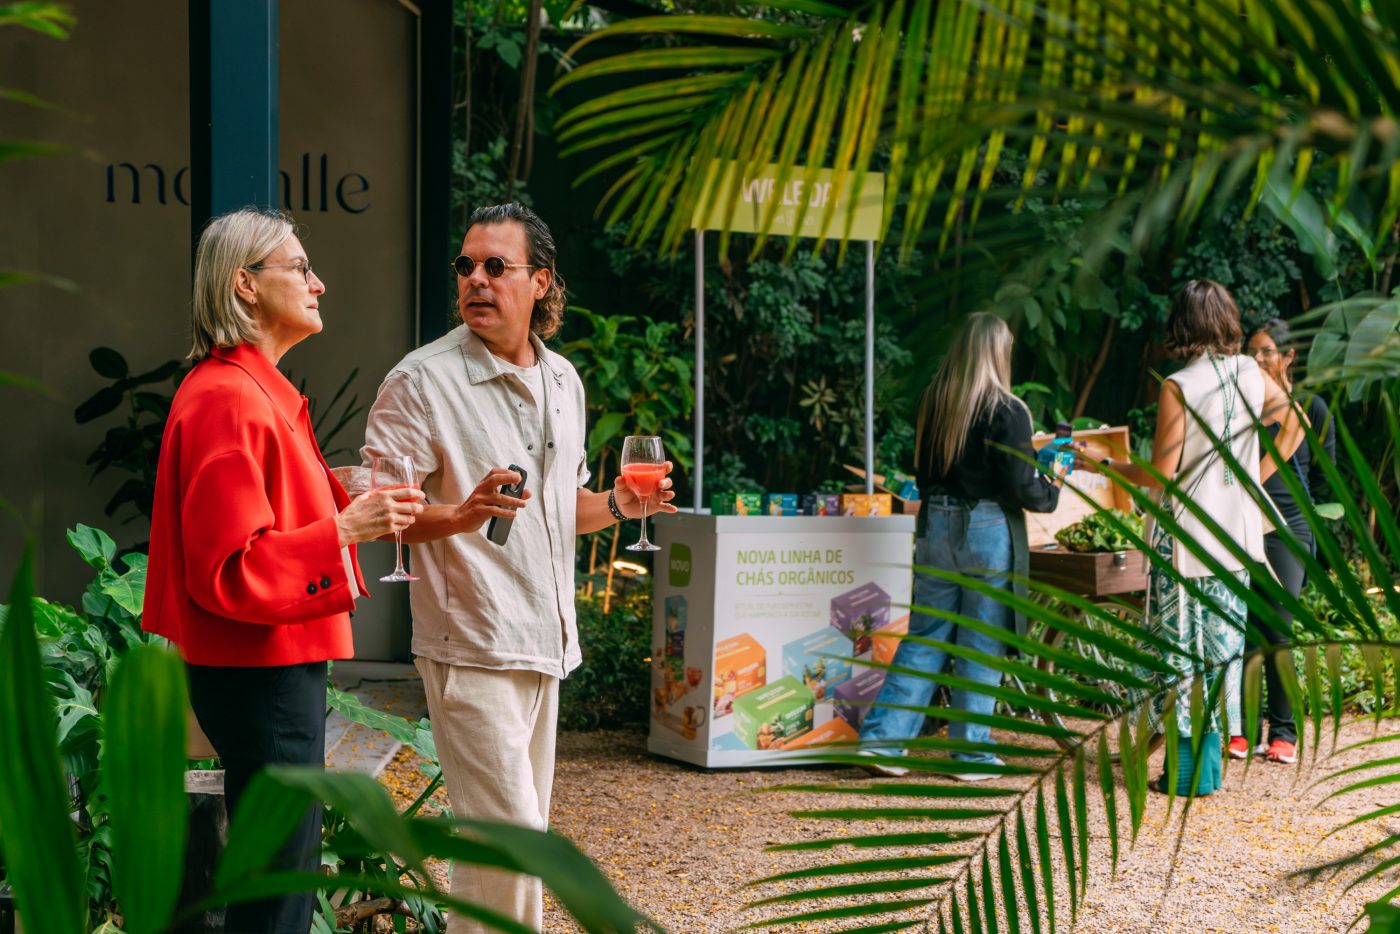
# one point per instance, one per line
(880, 768)
(976, 776)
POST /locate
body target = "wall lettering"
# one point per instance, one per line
(307, 188)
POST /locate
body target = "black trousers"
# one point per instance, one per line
(1291, 574)
(256, 717)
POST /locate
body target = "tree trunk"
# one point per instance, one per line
(593, 547)
(1096, 370)
(466, 105)
(612, 556)
(525, 110)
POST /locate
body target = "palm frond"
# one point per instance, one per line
(1180, 101)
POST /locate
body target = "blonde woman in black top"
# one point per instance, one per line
(976, 468)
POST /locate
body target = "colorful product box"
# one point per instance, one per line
(774, 714)
(885, 640)
(736, 504)
(780, 504)
(676, 613)
(867, 504)
(821, 504)
(810, 661)
(832, 731)
(853, 699)
(741, 665)
(860, 612)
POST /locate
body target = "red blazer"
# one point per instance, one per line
(246, 566)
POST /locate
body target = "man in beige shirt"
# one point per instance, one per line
(493, 625)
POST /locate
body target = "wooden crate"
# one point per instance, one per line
(1098, 574)
(1103, 442)
(1093, 574)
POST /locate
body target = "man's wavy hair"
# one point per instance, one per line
(548, 315)
(1203, 319)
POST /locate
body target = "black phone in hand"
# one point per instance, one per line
(498, 529)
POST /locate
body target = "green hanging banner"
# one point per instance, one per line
(819, 189)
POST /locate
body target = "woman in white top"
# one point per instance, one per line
(1212, 404)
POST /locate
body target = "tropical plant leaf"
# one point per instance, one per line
(36, 835)
(144, 771)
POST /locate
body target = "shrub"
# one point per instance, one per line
(609, 690)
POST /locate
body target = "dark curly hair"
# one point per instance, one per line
(548, 315)
(1203, 319)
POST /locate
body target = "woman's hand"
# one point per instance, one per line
(378, 513)
(631, 506)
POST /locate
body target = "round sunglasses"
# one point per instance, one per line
(495, 266)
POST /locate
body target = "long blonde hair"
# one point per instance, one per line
(974, 378)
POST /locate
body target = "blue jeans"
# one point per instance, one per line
(973, 540)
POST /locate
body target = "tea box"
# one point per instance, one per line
(821, 504)
(741, 666)
(860, 612)
(867, 504)
(810, 660)
(885, 640)
(853, 699)
(780, 504)
(774, 714)
(832, 731)
(736, 504)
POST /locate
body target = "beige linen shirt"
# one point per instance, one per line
(459, 411)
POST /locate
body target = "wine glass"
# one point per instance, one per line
(394, 473)
(643, 469)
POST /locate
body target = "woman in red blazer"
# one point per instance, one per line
(252, 567)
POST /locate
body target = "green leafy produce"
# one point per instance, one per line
(1100, 532)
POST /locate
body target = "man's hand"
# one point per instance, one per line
(631, 506)
(487, 500)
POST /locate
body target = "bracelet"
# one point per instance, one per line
(612, 506)
(1106, 462)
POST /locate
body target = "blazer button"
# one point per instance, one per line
(529, 447)
(551, 444)
(311, 587)
(325, 583)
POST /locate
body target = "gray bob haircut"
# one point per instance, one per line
(230, 242)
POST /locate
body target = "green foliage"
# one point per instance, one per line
(1366, 682)
(637, 382)
(143, 815)
(609, 690)
(785, 359)
(131, 447)
(1100, 531)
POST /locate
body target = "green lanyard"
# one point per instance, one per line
(1229, 392)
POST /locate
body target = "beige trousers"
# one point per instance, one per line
(495, 739)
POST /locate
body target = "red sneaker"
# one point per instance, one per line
(1283, 751)
(1239, 747)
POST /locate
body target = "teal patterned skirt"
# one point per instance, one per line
(1208, 639)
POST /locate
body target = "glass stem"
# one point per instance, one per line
(643, 540)
(398, 552)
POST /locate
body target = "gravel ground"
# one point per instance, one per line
(682, 844)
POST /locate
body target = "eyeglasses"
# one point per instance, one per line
(303, 268)
(495, 266)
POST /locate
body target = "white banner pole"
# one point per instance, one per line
(699, 471)
(870, 366)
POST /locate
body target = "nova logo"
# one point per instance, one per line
(678, 565)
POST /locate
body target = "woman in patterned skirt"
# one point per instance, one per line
(1213, 404)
